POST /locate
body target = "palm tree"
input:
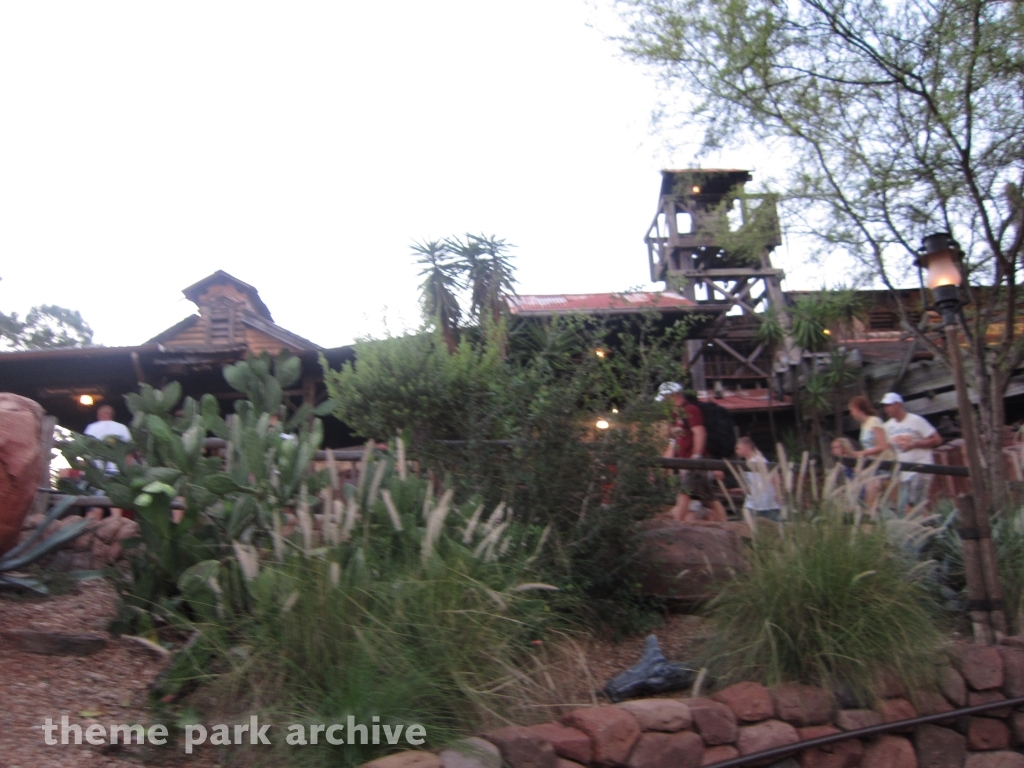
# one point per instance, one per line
(487, 265)
(441, 281)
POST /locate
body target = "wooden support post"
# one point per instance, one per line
(42, 500)
(977, 594)
(979, 490)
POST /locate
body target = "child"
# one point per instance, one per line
(762, 488)
(843, 447)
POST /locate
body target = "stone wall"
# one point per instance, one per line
(747, 717)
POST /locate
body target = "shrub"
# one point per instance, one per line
(513, 419)
(416, 610)
(826, 604)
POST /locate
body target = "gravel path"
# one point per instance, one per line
(107, 687)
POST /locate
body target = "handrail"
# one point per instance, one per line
(872, 730)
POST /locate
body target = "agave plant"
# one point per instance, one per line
(28, 551)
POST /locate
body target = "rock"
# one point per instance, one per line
(21, 463)
(667, 750)
(106, 530)
(667, 715)
(931, 703)
(953, 687)
(80, 561)
(750, 702)
(984, 733)
(1013, 670)
(129, 529)
(718, 754)
(995, 760)
(715, 722)
(563, 763)
(766, 735)
(471, 753)
(841, 754)
(1017, 725)
(54, 643)
(570, 743)
(889, 752)
(981, 665)
(894, 710)
(522, 749)
(855, 719)
(31, 522)
(612, 731)
(988, 697)
(939, 747)
(802, 704)
(816, 732)
(688, 561)
(1013, 640)
(411, 759)
(652, 674)
(889, 685)
(82, 543)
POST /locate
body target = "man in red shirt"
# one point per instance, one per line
(689, 436)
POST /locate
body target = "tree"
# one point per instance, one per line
(903, 118)
(441, 282)
(487, 264)
(45, 326)
(478, 264)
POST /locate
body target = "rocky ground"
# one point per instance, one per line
(111, 686)
(107, 687)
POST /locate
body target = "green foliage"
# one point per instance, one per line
(442, 280)
(521, 417)
(28, 551)
(406, 605)
(222, 498)
(1008, 538)
(45, 326)
(826, 603)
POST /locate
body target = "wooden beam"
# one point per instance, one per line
(739, 357)
(731, 274)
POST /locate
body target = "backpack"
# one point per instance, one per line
(721, 428)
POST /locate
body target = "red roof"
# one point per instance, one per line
(599, 303)
(748, 400)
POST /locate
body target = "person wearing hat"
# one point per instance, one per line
(913, 437)
(689, 437)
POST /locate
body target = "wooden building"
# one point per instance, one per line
(230, 323)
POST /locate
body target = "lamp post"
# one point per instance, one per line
(941, 259)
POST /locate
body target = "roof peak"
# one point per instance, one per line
(195, 291)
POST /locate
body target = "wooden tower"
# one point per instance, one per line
(712, 242)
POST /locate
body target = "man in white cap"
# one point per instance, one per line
(689, 437)
(913, 437)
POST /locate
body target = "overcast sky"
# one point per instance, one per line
(303, 146)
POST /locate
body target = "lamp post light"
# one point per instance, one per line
(941, 260)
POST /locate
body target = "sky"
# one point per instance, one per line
(303, 147)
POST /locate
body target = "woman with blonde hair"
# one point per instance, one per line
(873, 440)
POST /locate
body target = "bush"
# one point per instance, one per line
(416, 610)
(513, 419)
(826, 604)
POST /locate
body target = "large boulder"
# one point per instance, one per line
(21, 462)
(689, 561)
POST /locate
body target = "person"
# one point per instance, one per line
(105, 428)
(843, 447)
(874, 442)
(913, 438)
(762, 499)
(689, 436)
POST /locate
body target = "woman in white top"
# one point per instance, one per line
(873, 441)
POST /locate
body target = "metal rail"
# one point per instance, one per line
(799, 746)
